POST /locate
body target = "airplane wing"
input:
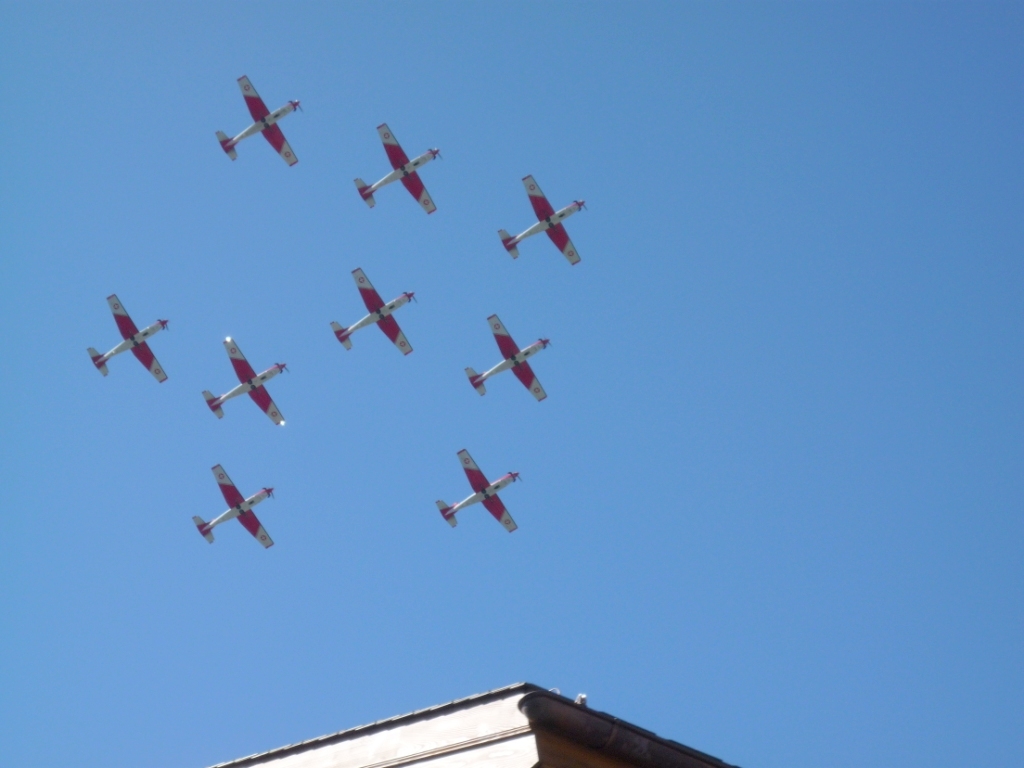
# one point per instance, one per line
(257, 108)
(495, 506)
(145, 356)
(396, 155)
(252, 524)
(540, 204)
(280, 144)
(261, 397)
(525, 374)
(371, 298)
(476, 477)
(231, 494)
(505, 343)
(390, 327)
(414, 184)
(124, 323)
(561, 240)
(243, 370)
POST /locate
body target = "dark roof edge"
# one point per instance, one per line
(362, 730)
(610, 735)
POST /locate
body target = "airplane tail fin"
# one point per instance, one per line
(211, 401)
(342, 334)
(365, 193)
(476, 381)
(204, 528)
(226, 145)
(98, 361)
(447, 514)
(506, 240)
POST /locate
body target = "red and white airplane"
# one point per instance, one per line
(380, 313)
(251, 383)
(266, 123)
(404, 171)
(550, 221)
(485, 492)
(240, 508)
(515, 359)
(134, 339)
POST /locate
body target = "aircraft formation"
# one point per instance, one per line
(379, 313)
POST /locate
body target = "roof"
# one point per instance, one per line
(541, 710)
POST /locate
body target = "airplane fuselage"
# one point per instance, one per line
(547, 223)
(516, 359)
(377, 316)
(486, 493)
(263, 124)
(248, 386)
(235, 511)
(134, 341)
(403, 170)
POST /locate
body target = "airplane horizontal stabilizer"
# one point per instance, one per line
(211, 401)
(506, 240)
(98, 361)
(344, 338)
(203, 528)
(364, 193)
(476, 381)
(226, 146)
(446, 513)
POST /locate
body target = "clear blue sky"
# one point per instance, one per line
(772, 507)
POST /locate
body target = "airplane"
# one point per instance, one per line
(405, 171)
(266, 122)
(549, 221)
(134, 339)
(485, 492)
(251, 383)
(514, 359)
(240, 508)
(380, 313)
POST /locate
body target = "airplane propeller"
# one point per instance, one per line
(515, 476)
(412, 296)
(283, 367)
(437, 153)
(582, 204)
(270, 492)
(298, 105)
(163, 324)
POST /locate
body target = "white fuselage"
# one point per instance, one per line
(486, 493)
(516, 359)
(380, 314)
(262, 125)
(544, 224)
(247, 386)
(134, 341)
(234, 512)
(403, 170)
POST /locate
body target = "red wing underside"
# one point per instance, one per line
(559, 236)
(541, 207)
(371, 299)
(415, 186)
(257, 108)
(495, 507)
(261, 397)
(125, 326)
(396, 155)
(144, 355)
(476, 480)
(393, 332)
(274, 136)
(525, 374)
(231, 495)
(507, 346)
(243, 370)
(252, 524)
